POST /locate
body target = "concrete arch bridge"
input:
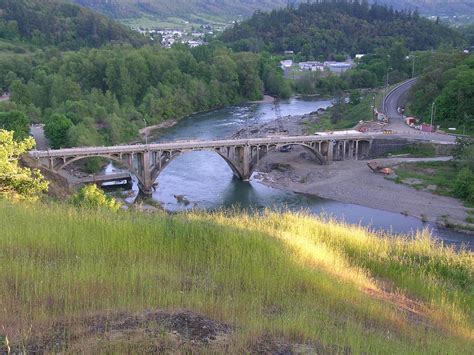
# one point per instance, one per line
(147, 161)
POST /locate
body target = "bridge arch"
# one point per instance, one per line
(158, 170)
(319, 157)
(109, 157)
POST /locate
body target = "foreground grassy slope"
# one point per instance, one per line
(91, 281)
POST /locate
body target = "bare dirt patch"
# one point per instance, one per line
(414, 310)
(158, 328)
(276, 345)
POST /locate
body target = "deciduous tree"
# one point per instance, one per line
(16, 182)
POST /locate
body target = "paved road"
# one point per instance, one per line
(393, 100)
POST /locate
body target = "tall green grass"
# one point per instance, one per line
(291, 276)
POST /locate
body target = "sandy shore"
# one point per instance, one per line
(163, 125)
(267, 99)
(353, 182)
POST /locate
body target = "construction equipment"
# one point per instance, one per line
(376, 168)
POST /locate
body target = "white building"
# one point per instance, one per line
(286, 64)
(339, 67)
(311, 66)
(194, 44)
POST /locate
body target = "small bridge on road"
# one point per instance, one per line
(147, 161)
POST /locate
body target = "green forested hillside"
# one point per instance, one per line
(125, 9)
(448, 82)
(434, 7)
(180, 8)
(58, 23)
(337, 27)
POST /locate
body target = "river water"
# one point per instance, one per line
(206, 181)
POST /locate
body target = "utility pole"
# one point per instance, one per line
(146, 132)
(432, 114)
(373, 107)
(385, 91)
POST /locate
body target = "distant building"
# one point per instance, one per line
(194, 44)
(286, 64)
(289, 52)
(311, 66)
(359, 56)
(339, 67)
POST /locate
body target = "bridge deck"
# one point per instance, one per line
(183, 145)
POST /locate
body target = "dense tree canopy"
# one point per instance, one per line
(101, 96)
(448, 82)
(15, 121)
(327, 28)
(56, 22)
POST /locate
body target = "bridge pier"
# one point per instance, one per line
(330, 155)
(246, 173)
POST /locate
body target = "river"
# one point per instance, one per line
(207, 182)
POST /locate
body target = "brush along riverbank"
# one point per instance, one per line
(96, 281)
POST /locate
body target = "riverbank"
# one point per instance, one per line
(353, 182)
(146, 131)
(287, 125)
(267, 99)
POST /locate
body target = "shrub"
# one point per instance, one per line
(464, 186)
(92, 197)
